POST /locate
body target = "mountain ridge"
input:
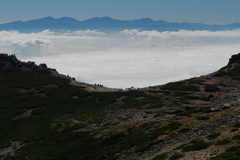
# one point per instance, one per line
(108, 23)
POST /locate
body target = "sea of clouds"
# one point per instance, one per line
(126, 58)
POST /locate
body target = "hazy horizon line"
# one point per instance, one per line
(117, 19)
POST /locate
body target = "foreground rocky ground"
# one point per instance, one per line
(179, 120)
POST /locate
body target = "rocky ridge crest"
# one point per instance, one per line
(10, 61)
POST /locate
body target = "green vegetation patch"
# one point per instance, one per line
(79, 145)
(137, 99)
(162, 156)
(160, 91)
(233, 72)
(196, 81)
(156, 105)
(184, 130)
(237, 125)
(188, 111)
(182, 93)
(194, 145)
(176, 156)
(166, 93)
(203, 118)
(213, 136)
(224, 141)
(237, 137)
(193, 97)
(157, 114)
(144, 140)
(235, 129)
(175, 112)
(180, 86)
(233, 153)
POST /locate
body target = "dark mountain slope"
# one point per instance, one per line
(43, 116)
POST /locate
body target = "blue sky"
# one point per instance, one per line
(203, 11)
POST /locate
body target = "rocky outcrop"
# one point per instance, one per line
(10, 61)
(234, 59)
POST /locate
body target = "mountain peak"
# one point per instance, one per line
(48, 18)
(146, 19)
(64, 18)
(98, 19)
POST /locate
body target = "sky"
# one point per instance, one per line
(192, 11)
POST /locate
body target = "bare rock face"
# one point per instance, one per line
(10, 61)
(42, 65)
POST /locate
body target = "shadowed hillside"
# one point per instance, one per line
(46, 115)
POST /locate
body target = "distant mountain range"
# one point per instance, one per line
(108, 24)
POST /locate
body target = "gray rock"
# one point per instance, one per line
(42, 65)
(214, 109)
(226, 106)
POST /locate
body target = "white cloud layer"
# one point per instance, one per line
(128, 58)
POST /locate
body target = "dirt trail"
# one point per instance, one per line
(94, 88)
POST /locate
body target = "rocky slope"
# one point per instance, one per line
(46, 115)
